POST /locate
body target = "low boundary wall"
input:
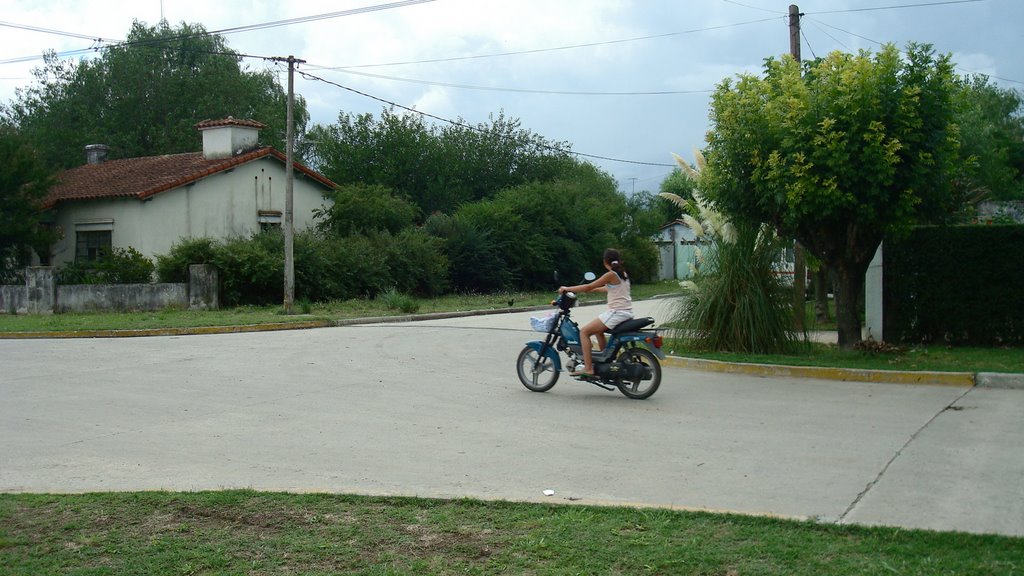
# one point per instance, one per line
(42, 295)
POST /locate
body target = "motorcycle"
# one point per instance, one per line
(630, 362)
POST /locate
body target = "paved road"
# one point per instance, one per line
(434, 409)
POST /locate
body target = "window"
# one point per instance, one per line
(90, 245)
(93, 238)
(268, 220)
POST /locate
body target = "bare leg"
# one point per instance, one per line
(591, 328)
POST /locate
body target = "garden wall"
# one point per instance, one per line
(42, 295)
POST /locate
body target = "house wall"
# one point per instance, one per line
(677, 247)
(220, 206)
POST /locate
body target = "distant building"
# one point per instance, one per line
(232, 188)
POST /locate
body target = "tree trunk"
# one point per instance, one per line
(849, 285)
(821, 285)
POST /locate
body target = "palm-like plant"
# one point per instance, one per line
(734, 301)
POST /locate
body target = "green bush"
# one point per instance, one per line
(735, 302)
(362, 208)
(641, 258)
(252, 269)
(960, 285)
(173, 266)
(395, 300)
(415, 261)
(117, 266)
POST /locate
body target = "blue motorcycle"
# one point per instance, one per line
(629, 362)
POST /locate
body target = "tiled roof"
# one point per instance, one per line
(143, 177)
(229, 121)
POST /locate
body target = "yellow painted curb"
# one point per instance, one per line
(965, 379)
(272, 326)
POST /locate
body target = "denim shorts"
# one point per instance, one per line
(612, 318)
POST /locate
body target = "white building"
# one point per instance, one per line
(677, 248)
(232, 188)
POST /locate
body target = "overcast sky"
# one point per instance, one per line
(577, 69)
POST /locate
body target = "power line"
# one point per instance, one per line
(516, 90)
(896, 7)
(57, 32)
(236, 29)
(754, 7)
(882, 43)
(557, 48)
(309, 76)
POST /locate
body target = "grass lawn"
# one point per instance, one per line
(930, 358)
(243, 532)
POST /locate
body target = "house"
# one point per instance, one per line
(232, 188)
(677, 248)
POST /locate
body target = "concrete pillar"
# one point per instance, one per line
(41, 289)
(203, 287)
(873, 290)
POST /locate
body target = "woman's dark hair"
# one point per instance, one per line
(612, 257)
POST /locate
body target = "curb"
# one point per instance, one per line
(1000, 380)
(963, 379)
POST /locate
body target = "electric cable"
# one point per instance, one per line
(900, 6)
(309, 76)
(558, 48)
(515, 90)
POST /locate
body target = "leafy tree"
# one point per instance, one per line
(438, 169)
(361, 208)
(23, 184)
(677, 183)
(992, 140)
(837, 154)
(523, 234)
(142, 97)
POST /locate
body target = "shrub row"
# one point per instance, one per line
(118, 266)
(327, 267)
(960, 285)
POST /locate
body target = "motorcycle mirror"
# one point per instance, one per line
(589, 276)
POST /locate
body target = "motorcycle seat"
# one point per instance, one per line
(632, 325)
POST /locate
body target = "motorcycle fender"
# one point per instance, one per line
(630, 340)
(551, 353)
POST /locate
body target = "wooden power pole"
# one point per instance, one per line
(799, 259)
(289, 201)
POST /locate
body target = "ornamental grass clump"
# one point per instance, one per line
(734, 300)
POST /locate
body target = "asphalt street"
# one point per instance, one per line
(434, 409)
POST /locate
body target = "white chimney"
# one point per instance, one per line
(229, 137)
(96, 153)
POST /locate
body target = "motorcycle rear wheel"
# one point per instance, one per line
(536, 376)
(638, 388)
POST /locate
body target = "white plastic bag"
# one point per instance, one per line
(543, 324)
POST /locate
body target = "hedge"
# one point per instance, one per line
(961, 285)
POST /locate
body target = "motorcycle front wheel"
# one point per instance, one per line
(638, 388)
(537, 373)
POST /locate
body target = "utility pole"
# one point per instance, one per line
(799, 259)
(289, 183)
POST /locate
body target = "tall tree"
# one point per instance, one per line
(23, 183)
(438, 168)
(991, 121)
(142, 97)
(837, 154)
